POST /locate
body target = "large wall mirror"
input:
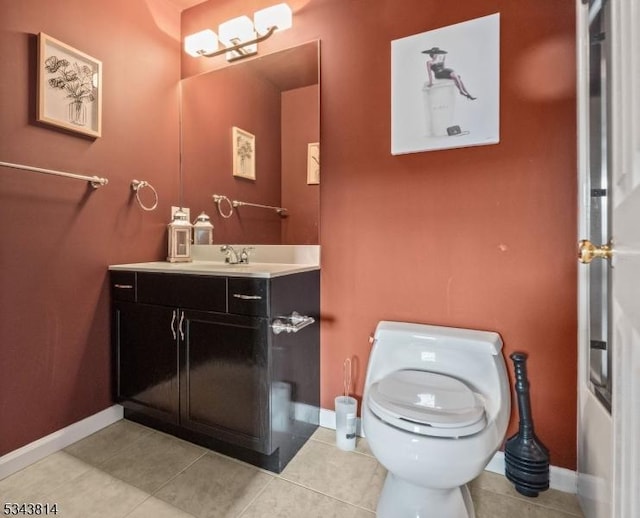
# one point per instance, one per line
(275, 100)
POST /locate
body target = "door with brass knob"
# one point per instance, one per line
(596, 210)
(609, 280)
(595, 352)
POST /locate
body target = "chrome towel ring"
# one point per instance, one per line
(137, 186)
(219, 199)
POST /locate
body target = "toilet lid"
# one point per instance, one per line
(428, 403)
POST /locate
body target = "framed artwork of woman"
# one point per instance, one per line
(445, 87)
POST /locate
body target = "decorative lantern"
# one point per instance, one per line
(202, 230)
(179, 238)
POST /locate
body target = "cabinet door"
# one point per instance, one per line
(146, 359)
(224, 378)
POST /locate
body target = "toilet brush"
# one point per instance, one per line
(346, 377)
(526, 458)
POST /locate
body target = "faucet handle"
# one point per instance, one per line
(246, 252)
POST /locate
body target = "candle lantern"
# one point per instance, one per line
(179, 238)
(203, 230)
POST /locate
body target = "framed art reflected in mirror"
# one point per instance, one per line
(244, 154)
(313, 163)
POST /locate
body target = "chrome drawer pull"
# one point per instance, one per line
(173, 321)
(291, 324)
(180, 325)
(123, 286)
(247, 297)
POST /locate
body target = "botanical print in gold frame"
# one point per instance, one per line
(313, 163)
(244, 154)
(69, 87)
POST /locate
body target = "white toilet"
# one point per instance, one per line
(435, 409)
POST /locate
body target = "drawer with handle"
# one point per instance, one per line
(123, 286)
(248, 296)
(204, 292)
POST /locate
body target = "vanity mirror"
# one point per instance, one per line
(275, 99)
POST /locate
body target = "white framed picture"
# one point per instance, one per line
(313, 163)
(244, 154)
(445, 87)
(69, 87)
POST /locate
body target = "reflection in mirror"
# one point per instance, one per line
(275, 98)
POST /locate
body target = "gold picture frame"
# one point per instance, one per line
(69, 87)
(244, 154)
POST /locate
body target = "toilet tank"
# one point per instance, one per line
(474, 357)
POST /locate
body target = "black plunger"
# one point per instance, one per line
(526, 458)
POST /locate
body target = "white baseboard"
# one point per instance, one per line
(561, 479)
(33, 452)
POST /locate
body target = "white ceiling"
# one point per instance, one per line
(185, 4)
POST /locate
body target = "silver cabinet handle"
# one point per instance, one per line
(123, 286)
(173, 321)
(291, 324)
(180, 325)
(247, 297)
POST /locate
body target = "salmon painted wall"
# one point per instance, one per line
(58, 235)
(480, 237)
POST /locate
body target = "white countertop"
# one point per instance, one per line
(266, 270)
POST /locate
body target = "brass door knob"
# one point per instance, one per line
(587, 251)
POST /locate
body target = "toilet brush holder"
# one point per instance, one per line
(346, 413)
(526, 458)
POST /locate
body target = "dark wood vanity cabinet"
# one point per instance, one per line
(196, 356)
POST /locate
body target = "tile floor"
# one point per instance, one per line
(127, 470)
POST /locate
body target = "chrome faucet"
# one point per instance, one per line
(231, 254)
(233, 257)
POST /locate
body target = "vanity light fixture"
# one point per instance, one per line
(239, 36)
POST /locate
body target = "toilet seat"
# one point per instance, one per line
(427, 403)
